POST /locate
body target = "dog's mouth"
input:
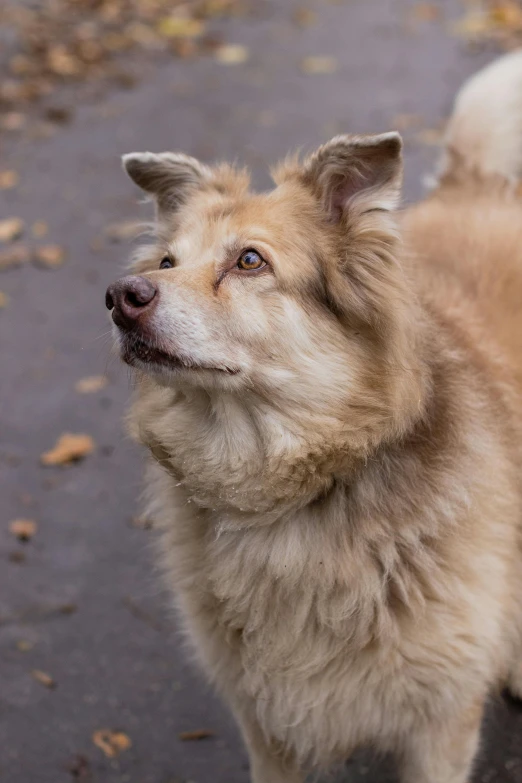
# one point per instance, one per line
(135, 350)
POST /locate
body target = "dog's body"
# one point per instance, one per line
(343, 529)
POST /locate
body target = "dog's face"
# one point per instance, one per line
(294, 292)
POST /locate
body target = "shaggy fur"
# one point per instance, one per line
(335, 439)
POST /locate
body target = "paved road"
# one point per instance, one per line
(85, 606)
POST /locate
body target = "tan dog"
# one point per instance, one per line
(332, 395)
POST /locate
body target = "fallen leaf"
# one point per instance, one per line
(319, 65)
(68, 448)
(67, 608)
(17, 557)
(91, 384)
(14, 256)
(198, 734)
(112, 743)
(121, 232)
(402, 122)
(430, 136)
(425, 12)
(13, 121)
(43, 678)
(49, 256)
(232, 54)
(8, 179)
(24, 646)
(39, 229)
(4, 299)
(507, 14)
(80, 767)
(304, 17)
(60, 115)
(61, 62)
(23, 529)
(180, 27)
(11, 229)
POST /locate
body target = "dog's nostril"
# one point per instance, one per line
(139, 292)
(109, 301)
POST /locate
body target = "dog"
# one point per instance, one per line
(330, 392)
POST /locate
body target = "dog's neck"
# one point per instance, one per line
(253, 462)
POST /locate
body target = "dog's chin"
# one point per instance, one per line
(169, 369)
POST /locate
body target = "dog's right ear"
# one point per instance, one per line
(167, 176)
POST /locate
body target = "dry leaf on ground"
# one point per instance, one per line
(49, 256)
(499, 21)
(43, 678)
(8, 179)
(23, 529)
(180, 27)
(24, 645)
(91, 384)
(39, 229)
(80, 767)
(197, 734)
(4, 299)
(12, 121)
(69, 448)
(11, 229)
(430, 136)
(305, 17)
(232, 54)
(319, 65)
(14, 256)
(405, 121)
(112, 743)
(121, 232)
(425, 12)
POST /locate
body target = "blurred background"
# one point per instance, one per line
(94, 683)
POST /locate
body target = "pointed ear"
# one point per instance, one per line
(356, 170)
(168, 176)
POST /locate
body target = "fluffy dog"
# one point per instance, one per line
(331, 393)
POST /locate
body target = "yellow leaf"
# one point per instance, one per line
(112, 743)
(180, 27)
(43, 678)
(11, 229)
(4, 299)
(91, 384)
(232, 54)
(425, 12)
(23, 529)
(430, 136)
(39, 229)
(8, 179)
(319, 65)
(49, 256)
(68, 448)
(14, 256)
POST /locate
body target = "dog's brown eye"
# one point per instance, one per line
(250, 260)
(166, 263)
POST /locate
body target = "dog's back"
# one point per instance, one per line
(467, 237)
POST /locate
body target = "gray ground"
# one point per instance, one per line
(114, 654)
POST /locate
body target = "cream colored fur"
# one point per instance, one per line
(340, 498)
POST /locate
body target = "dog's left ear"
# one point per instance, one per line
(362, 171)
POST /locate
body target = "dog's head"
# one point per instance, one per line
(295, 295)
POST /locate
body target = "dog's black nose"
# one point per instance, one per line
(129, 298)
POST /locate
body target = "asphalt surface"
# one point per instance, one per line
(85, 605)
